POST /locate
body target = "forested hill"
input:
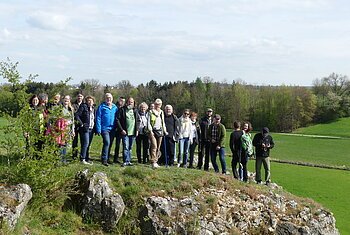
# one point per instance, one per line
(281, 108)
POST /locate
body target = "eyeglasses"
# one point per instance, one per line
(209, 111)
(186, 113)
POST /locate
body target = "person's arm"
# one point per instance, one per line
(222, 136)
(232, 143)
(118, 118)
(255, 140)
(272, 143)
(78, 115)
(98, 120)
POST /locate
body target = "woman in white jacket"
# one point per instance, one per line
(184, 138)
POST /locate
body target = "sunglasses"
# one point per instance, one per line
(186, 113)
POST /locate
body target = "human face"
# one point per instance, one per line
(186, 114)
(56, 99)
(35, 101)
(80, 98)
(217, 120)
(245, 126)
(131, 102)
(157, 105)
(194, 118)
(168, 110)
(143, 109)
(109, 99)
(151, 106)
(90, 102)
(121, 102)
(209, 113)
(66, 101)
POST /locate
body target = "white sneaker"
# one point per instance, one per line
(179, 164)
(84, 162)
(155, 165)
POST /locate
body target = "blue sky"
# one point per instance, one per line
(273, 42)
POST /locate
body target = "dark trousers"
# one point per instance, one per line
(192, 149)
(236, 159)
(142, 146)
(204, 148)
(85, 142)
(75, 143)
(168, 149)
(243, 171)
(118, 138)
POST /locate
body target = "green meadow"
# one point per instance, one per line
(329, 187)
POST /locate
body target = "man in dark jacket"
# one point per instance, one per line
(85, 117)
(263, 142)
(204, 141)
(127, 127)
(76, 105)
(118, 137)
(236, 148)
(172, 127)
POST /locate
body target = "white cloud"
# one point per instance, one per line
(46, 20)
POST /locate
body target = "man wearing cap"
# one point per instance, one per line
(204, 144)
(216, 134)
(263, 142)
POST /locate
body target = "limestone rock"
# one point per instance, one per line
(13, 200)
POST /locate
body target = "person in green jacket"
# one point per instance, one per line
(216, 135)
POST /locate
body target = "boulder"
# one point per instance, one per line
(97, 201)
(13, 200)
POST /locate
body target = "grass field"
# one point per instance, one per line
(340, 128)
(330, 188)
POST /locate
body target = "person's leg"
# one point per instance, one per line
(213, 153)
(181, 150)
(139, 141)
(131, 142)
(201, 148)
(106, 143)
(159, 143)
(235, 159)
(206, 157)
(192, 149)
(222, 160)
(91, 136)
(153, 149)
(75, 143)
(125, 141)
(258, 162)
(171, 151)
(266, 162)
(117, 147)
(145, 141)
(186, 150)
(244, 162)
(84, 143)
(111, 139)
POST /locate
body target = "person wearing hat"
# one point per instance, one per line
(204, 144)
(263, 142)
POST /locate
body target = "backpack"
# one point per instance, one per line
(247, 144)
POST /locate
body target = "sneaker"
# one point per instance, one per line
(226, 173)
(105, 163)
(84, 162)
(155, 165)
(178, 165)
(129, 164)
(124, 164)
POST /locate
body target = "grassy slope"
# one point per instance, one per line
(340, 128)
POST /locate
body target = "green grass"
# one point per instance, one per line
(340, 128)
(331, 188)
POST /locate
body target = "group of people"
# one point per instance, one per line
(156, 133)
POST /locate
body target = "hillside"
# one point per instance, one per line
(207, 192)
(339, 128)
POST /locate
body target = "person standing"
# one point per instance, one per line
(172, 127)
(204, 141)
(76, 104)
(184, 138)
(236, 149)
(216, 134)
(247, 150)
(118, 137)
(195, 136)
(157, 130)
(142, 141)
(105, 125)
(127, 128)
(263, 142)
(85, 117)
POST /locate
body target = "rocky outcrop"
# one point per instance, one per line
(213, 211)
(13, 200)
(97, 201)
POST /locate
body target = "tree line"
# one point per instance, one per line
(281, 108)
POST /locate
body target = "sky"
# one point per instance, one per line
(262, 42)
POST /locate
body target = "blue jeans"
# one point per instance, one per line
(213, 154)
(85, 142)
(107, 137)
(183, 150)
(127, 147)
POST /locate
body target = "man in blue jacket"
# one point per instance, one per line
(106, 125)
